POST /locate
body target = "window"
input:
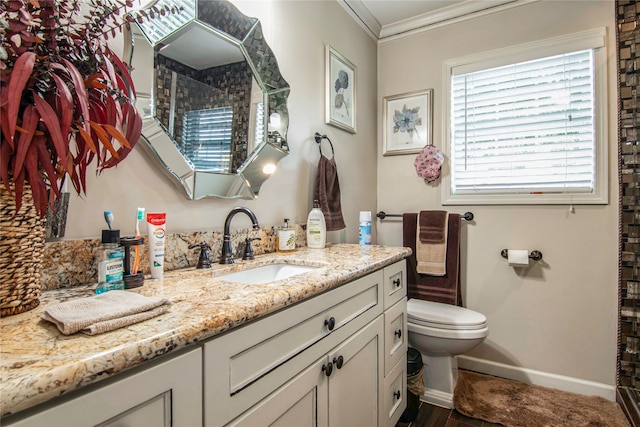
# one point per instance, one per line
(206, 138)
(527, 124)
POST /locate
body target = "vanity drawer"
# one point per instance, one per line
(394, 394)
(395, 283)
(395, 334)
(244, 366)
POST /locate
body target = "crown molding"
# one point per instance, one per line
(362, 16)
(444, 16)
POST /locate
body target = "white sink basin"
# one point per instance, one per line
(266, 274)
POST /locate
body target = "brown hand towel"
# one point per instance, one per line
(105, 312)
(445, 289)
(431, 242)
(327, 192)
(433, 226)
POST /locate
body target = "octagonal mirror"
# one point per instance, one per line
(213, 101)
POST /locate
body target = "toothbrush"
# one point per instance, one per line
(108, 216)
(137, 258)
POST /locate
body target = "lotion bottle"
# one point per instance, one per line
(286, 238)
(316, 228)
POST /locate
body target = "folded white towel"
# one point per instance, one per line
(105, 312)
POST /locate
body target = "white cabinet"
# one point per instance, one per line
(354, 383)
(169, 393)
(336, 360)
(395, 342)
(294, 404)
(339, 389)
(395, 283)
(246, 365)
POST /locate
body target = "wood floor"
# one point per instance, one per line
(435, 416)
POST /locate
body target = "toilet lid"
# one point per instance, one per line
(444, 316)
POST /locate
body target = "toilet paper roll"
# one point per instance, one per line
(518, 257)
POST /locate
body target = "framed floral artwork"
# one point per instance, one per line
(340, 91)
(407, 125)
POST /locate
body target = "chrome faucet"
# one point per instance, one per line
(227, 250)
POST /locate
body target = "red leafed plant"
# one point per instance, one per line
(65, 97)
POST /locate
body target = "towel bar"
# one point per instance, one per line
(467, 216)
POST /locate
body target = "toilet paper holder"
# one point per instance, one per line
(534, 255)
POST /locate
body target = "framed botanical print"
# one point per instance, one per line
(340, 103)
(407, 122)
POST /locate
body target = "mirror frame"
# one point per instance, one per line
(246, 34)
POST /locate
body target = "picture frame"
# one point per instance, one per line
(340, 90)
(407, 125)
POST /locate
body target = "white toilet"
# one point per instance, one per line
(440, 332)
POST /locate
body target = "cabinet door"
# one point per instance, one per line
(356, 381)
(395, 283)
(395, 331)
(166, 394)
(394, 394)
(302, 402)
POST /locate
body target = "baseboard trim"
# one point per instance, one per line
(544, 379)
(438, 398)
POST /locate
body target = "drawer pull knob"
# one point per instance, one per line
(398, 333)
(397, 283)
(338, 361)
(327, 369)
(397, 394)
(330, 323)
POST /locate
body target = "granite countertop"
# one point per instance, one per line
(38, 363)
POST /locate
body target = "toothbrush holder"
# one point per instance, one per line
(132, 279)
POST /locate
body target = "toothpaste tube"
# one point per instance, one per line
(156, 225)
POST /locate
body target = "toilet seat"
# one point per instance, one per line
(444, 316)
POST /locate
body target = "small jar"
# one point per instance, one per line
(286, 238)
(110, 257)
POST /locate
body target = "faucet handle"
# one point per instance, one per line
(248, 249)
(205, 250)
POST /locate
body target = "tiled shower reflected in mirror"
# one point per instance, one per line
(628, 41)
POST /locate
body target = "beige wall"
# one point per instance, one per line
(297, 32)
(560, 317)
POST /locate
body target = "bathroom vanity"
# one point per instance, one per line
(325, 347)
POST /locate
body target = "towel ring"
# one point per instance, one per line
(319, 139)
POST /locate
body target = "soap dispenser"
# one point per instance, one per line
(286, 238)
(316, 228)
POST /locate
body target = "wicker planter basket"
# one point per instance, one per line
(21, 251)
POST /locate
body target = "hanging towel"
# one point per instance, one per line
(105, 312)
(445, 289)
(327, 192)
(431, 242)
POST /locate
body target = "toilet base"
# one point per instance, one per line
(437, 398)
(440, 378)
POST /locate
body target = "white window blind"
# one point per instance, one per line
(206, 138)
(525, 128)
(259, 128)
